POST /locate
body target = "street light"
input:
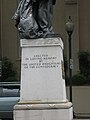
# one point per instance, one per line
(0, 69)
(69, 28)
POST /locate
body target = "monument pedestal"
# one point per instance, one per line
(43, 94)
(56, 111)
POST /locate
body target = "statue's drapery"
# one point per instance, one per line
(34, 18)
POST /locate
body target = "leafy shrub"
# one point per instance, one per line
(84, 63)
(83, 78)
(88, 80)
(78, 79)
(8, 71)
(11, 79)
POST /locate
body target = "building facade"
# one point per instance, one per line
(77, 9)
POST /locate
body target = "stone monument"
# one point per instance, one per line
(43, 93)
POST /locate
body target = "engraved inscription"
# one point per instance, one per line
(41, 61)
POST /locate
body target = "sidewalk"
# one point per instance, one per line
(73, 119)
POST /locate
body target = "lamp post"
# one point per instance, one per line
(69, 29)
(0, 63)
(0, 43)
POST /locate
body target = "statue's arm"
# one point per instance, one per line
(17, 13)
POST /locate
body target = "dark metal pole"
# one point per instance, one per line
(0, 43)
(0, 63)
(70, 64)
(69, 29)
(0, 60)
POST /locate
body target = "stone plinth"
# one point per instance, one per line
(43, 93)
(56, 111)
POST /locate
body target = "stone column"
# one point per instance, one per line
(43, 93)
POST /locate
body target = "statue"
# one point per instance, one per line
(34, 18)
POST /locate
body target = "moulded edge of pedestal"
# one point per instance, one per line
(41, 42)
(41, 106)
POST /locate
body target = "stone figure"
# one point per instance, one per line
(34, 18)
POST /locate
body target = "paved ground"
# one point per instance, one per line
(76, 119)
(73, 119)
